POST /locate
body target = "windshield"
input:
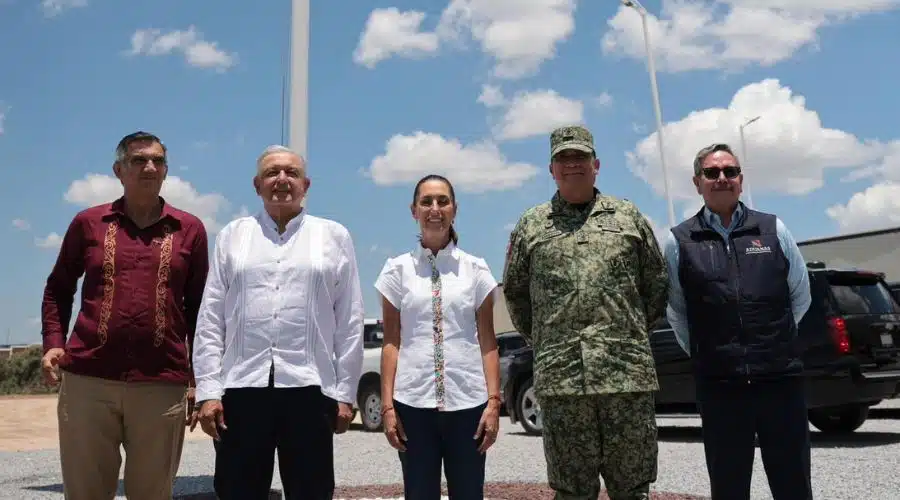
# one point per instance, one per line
(373, 335)
(506, 345)
(862, 295)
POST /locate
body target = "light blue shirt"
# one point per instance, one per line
(798, 279)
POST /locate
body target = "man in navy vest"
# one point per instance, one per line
(738, 289)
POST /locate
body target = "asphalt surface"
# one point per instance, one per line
(864, 465)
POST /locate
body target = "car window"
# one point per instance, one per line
(507, 344)
(859, 296)
(895, 290)
(373, 335)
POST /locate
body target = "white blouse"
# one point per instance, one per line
(440, 364)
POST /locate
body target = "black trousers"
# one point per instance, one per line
(434, 437)
(298, 423)
(734, 415)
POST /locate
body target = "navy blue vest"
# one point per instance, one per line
(738, 299)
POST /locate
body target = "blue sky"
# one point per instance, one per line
(467, 88)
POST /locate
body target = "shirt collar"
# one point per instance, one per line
(713, 218)
(450, 250)
(560, 205)
(266, 220)
(117, 207)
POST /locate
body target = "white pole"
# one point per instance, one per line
(744, 160)
(298, 116)
(654, 88)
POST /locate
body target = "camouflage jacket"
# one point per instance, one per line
(585, 286)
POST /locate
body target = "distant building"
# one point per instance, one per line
(871, 250)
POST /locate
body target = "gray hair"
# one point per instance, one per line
(139, 136)
(275, 149)
(708, 150)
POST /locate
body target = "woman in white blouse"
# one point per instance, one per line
(440, 382)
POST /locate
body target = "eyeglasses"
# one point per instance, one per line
(142, 161)
(712, 173)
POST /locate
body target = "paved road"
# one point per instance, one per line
(866, 465)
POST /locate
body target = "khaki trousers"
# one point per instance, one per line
(97, 416)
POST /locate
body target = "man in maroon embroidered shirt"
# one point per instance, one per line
(125, 372)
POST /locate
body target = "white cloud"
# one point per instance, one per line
(730, 34)
(888, 169)
(3, 111)
(491, 96)
(391, 32)
(380, 250)
(197, 51)
(243, 211)
(518, 35)
(51, 242)
(538, 112)
(660, 231)
(54, 8)
(788, 148)
(474, 168)
(95, 189)
(21, 224)
(603, 100)
(877, 207)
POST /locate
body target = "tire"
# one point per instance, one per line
(369, 403)
(528, 409)
(839, 420)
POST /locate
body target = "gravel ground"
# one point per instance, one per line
(864, 465)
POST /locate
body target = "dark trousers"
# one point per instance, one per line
(734, 414)
(434, 437)
(298, 423)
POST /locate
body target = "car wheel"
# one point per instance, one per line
(370, 408)
(529, 409)
(840, 420)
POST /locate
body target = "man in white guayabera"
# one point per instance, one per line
(279, 342)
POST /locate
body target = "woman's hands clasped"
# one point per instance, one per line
(488, 426)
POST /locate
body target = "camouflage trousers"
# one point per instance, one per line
(612, 436)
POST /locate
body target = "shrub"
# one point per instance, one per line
(21, 373)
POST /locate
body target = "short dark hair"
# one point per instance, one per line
(139, 136)
(434, 177)
(708, 150)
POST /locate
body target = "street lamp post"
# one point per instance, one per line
(651, 68)
(744, 158)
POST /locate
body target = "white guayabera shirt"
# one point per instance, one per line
(407, 281)
(290, 301)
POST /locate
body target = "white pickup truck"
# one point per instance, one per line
(368, 398)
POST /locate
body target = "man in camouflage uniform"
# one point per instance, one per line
(584, 281)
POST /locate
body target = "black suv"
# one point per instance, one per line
(850, 337)
(895, 290)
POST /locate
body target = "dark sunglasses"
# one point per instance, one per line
(712, 173)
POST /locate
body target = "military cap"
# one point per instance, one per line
(571, 137)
